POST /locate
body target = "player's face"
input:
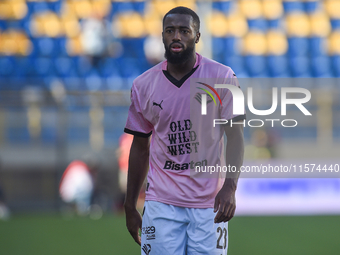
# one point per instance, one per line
(179, 38)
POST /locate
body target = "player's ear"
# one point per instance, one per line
(198, 35)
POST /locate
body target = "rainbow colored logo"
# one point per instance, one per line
(209, 93)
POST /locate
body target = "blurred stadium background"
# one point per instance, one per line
(66, 69)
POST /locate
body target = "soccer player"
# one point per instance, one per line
(186, 211)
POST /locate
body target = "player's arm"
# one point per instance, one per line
(225, 202)
(138, 168)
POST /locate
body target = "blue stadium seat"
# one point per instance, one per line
(74, 83)
(120, 7)
(317, 46)
(336, 65)
(107, 67)
(311, 6)
(256, 66)
(23, 67)
(321, 66)
(3, 24)
(61, 46)
(30, 8)
(65, 67)
(224, 48)
(223, 6)
(129, 67)
(40, 7)
(335, 23)
(274, 23)
(297, 46)
(115, 82)
(55, 6)
(230, 47)
(17, 135)
(293, 6)
(277, 66)
(13, 24)
(46, 46)
(78, 134)
(218, 49)
(83, 65)
(139, 6)
(133, 47)
(257, 24)
(93, 81)
(7, 65)
(43, 67)
(48, 135)
(237, 64)
(299, 66)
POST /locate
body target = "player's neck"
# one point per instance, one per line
(178, 71)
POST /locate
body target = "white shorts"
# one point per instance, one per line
(173, 230)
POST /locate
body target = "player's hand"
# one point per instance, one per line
(225, 205)
(134, 223)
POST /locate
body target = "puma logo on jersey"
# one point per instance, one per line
(146, 248)
(159, 105)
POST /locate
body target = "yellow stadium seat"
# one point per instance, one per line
(83, 8)
(19, 8)
(255, 43)
(187, 3)
(15, 43)
(129, 24)
(163, 6)
(37, 26)
(101, 7)
(1, 42)
(71, 26)
(153, 24)
(67, 9)
(42, 0)
(334, 43)
(6, 10)
(24, 44)
(46, 24)
(52, 25)
(238, 25)
(320, 24)
(252, 9)
(298, 24)
(272, 9)
(74, 47)
(276, 42)
(333, 8)
(217, 24)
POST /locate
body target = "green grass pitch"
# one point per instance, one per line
(53, 235)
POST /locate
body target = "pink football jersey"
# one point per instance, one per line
(182, 139)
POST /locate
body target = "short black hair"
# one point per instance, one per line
(185, 10)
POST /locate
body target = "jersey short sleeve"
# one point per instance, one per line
(136, 124)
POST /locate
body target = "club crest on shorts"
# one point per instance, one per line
(147, 249)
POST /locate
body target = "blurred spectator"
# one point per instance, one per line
(78, 183)
(4, 210)
(94, 38)
(154, 49)
(123, 153)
